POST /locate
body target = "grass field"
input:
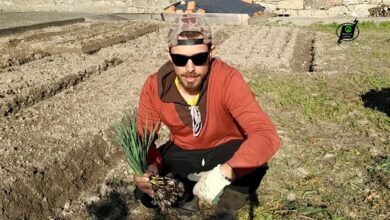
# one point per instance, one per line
(334, 161)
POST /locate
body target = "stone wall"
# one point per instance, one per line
(293, 8)
(91, 6)
(321, 8)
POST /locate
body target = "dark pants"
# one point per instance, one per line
(181, 162)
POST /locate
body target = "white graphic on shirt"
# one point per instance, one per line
(196, 120)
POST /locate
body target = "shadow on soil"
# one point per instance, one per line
(378, 100)
(113, 207)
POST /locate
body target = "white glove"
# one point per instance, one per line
(210, 184)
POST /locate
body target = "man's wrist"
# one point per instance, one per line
(228, 172)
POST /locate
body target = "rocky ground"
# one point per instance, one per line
(63, 88)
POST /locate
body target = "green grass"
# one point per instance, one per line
(323, 113)
(362, 66)
(326, 98)
(333, 100)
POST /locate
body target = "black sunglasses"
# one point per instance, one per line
(198, 59)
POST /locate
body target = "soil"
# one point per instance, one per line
(63, 88)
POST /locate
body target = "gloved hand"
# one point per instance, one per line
(210, 184)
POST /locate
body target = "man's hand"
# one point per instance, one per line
(211, 183)
(227, 171)
(143, 183)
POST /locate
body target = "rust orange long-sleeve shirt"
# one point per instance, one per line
(228, 109)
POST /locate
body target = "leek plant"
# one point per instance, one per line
(135, 147)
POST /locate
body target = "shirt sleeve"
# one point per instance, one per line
(262, 140)
(150, 116)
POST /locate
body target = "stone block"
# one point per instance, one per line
(141, 10)
(322, 4)
(360, 10)
(70, 8)
(154, 10)
(248, 1)
(338, 11)
(140, 4)
(159, 3)
(45, 7)
(7, 6)
(292, 13)
(379, 2)
(280, 12)
(305, 13)
(101, 6)
(268, 7)
(118, 7)
(320, 13)
(352, 2)
(290, 4)
(386, 2)
(132, 10)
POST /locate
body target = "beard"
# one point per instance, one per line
(191, 86)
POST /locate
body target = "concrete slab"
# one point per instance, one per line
(259, 19)
(19, 29)
(216, 18)
(211, 18)
(17, 19)
(126, 16)
(105, 17)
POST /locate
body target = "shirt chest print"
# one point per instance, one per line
(196, 120)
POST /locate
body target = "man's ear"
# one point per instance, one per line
(212, 50)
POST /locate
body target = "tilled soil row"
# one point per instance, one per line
(76, 38)
(20, 57)
(62, 146)
(53, 150)
(40, 80)
(260, 46)
(33, 82)
(304, 54)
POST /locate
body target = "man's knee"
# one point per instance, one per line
(251, 181)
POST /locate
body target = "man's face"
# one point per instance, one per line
(191, 75)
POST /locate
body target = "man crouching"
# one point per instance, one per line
(220, 139)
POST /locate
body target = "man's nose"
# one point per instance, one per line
(190, 67)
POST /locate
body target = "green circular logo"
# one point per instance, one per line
(348, 29)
